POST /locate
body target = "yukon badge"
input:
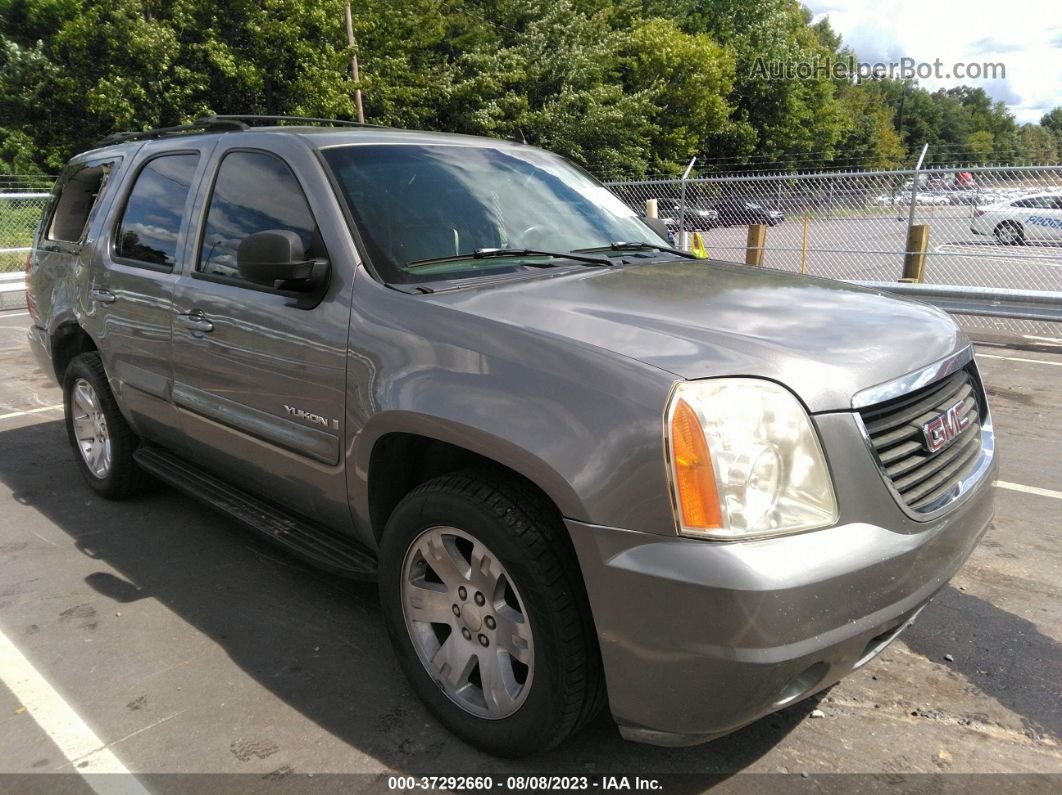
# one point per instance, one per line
(316, 419)
(943, 428)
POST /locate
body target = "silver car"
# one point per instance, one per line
(583, 467)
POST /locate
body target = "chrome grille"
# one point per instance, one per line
(921, 478)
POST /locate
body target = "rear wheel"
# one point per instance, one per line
(488, 615)
(1010, 233)
(103, 442)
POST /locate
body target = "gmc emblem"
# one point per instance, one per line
(943, 428)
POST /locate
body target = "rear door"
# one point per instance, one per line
(141, 250)
(1040, 218)
(259, 376)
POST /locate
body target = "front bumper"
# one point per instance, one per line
(701, 638)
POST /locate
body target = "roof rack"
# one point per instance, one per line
(205, 124)
(306, 120)
(219, 124)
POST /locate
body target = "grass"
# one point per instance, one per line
(18, 222)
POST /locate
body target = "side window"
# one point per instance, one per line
(151, 222)
(254, 192)
(78, 195)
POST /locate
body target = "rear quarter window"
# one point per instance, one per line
(77, 197)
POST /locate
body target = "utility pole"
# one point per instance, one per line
(354, 66)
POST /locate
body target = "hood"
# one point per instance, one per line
(823, 339)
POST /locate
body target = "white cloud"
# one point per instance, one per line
(1023, 35)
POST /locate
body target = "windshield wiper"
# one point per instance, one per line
(638, 245)
(492, 253)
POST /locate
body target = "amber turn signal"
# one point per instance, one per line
(693, 471)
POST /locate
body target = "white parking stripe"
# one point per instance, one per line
(12, 314)
(75, 739)
(1018, 359)
(1029, 489)
(11, 414)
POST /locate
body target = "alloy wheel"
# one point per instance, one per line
(467, 622)
(90, 429)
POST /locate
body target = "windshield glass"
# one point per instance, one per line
(413, 204)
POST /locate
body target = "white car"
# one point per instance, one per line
(930, 198)
(1031, 217)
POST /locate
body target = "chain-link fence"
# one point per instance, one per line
(995, 227)
(21, 202)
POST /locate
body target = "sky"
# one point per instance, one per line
(1024, 35)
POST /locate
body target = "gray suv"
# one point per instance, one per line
(582, 467)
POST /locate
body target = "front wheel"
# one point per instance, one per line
(488, 615)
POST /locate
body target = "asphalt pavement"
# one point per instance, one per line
(870, 249)
(164, 639)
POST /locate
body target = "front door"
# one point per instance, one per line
(259, 377)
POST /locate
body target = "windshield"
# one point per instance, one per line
(414, 204)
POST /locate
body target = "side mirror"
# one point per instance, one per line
(272, 256)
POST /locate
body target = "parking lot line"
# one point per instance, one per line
(1017, 359)
(1029, 489)
(11, 414)
(79, 744)
(12, 314)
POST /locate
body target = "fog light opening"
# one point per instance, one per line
(803, 684)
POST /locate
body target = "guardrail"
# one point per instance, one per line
(12, 282)
(1038, 305)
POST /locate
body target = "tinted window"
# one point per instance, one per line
(1036, 203)
(254, 192)
(151, 222)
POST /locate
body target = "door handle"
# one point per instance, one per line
(101, 296)
(196, 321)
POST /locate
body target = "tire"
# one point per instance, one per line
(533, 591)
(1010, 233)
(102, 441)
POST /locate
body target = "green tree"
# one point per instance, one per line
(870, 138)
(1038, 144)
(980, 145)
(689, 77)
(1052, 121)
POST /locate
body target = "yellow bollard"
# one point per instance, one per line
(754, 246)
(914, 261)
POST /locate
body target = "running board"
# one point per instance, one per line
(315, 543)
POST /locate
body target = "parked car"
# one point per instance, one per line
(932, 198)
(582, 467)
(739, 212)
(697, 218)
(927, 198)
(1036, 217)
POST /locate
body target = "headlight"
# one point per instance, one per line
(745, 461)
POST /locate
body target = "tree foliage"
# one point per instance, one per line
(623, 86)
